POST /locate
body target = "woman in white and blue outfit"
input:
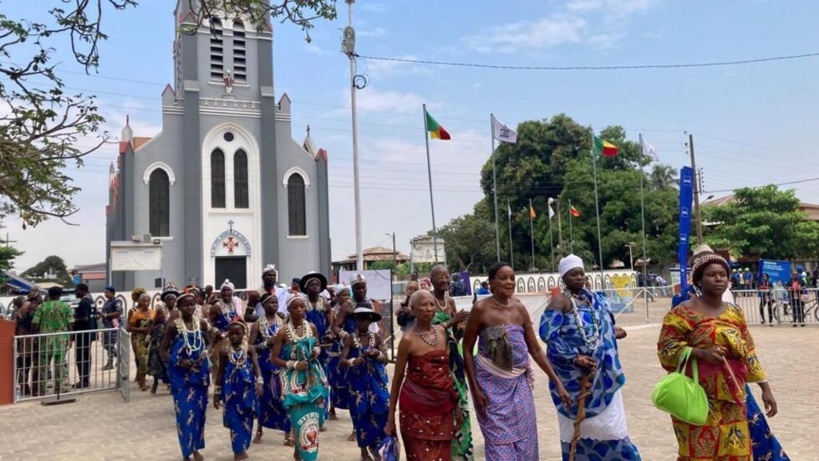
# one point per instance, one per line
(581, 339)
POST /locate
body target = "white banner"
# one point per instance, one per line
(379, 285)
(503, 133)
(136, 258)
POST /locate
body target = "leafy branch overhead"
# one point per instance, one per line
(45, 130)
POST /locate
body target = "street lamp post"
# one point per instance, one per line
(630, 246)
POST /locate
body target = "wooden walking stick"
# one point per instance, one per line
(585, 385)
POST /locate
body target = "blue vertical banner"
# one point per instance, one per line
(686, 201)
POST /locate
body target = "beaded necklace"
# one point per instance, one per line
(292, 336)
(225, 307)
(593, 342)
(357, 341)
(438, 305)
(238, 355)
(264, 327)
(198, 342)
(434, 342)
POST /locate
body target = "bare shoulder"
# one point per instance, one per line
(203, 325)
(558, 303)
(480, 307)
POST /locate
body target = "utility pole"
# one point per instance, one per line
(349, 50)
(9, 241)
(697, 208)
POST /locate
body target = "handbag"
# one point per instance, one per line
(680, 396)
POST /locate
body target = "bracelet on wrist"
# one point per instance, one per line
(259, 380)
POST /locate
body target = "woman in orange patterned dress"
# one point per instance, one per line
(726, 357)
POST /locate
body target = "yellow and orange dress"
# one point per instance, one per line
(725, 435)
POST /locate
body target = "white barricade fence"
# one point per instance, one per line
(65, 363)
(779, 307)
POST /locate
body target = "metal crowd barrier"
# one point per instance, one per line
(55, 364)
(779, 307)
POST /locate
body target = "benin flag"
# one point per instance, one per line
(604, 148)
(574, 211)
(436, 131)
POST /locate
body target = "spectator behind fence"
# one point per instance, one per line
(54, 316)
(111, 318)
(85, 326)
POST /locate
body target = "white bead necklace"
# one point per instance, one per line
(198, 341)
(446, 302)
(291, 329)
(357, 341)
(593, 342)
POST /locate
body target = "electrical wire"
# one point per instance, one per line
(581, 68)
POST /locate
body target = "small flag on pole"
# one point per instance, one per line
(503, 133)
(551, 211)
(436, 131)
(650, 151)
(604, 148)
(532, 213)
(574, 212)
(509, 208)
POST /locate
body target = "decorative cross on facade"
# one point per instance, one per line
(231, 223)
(230, 244)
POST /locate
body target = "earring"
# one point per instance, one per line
(697, 291)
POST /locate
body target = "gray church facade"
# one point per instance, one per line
(223, 187)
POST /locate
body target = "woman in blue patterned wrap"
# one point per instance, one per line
(582, 341)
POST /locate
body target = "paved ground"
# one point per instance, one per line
(101, 427)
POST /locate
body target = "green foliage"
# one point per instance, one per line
(764, 223)
(52, 264)
(382, 265)
(259, 12)
(7, 256)
(553, 158)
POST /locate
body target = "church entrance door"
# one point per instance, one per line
(233, 268)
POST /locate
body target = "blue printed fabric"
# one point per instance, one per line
(764, 443)
(602, 450)
(565, 342)
(369, 398)
(189, 389)
(241, 403)
(337, 375)
(272, 414)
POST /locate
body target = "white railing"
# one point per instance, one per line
(779, 307)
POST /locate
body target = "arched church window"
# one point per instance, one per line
(240, 193)
(296, 209)
(217, 179)
(217, 52)
(159, 204)
(239, 52)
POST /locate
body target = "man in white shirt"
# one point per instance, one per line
(269, 277)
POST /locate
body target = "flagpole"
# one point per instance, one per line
(495, 186)
(532, 232)
(551, 238)
(511, 251)
(597, 211)
(643, 219)
(571, 230)
(560, 228)
(429, 174)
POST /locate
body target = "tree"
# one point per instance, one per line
(764, 223)
(50, 265)
(553, 158)
(7, 256)
(42, 124)
(663, 177)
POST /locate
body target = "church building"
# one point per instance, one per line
(224, 189)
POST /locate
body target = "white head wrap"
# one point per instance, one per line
(339, 288)
(293, 297)
(269, 268)
(227, 284)
(356, 279)
(568, 263)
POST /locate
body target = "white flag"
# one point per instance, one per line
(650, 151)
(509, 207)
(502, 132)
(551, 211)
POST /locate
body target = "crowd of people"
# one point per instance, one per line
(289, 358)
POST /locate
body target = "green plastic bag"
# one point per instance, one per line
(681, 396)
